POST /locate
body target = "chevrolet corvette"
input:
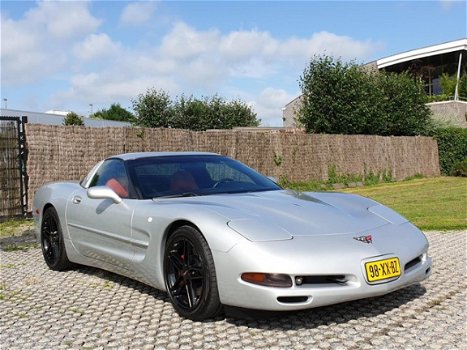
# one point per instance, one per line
(212, 232)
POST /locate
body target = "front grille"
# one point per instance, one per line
(325, 279)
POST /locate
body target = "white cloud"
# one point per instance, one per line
(268, 105)
(61, 39)
(193, 61)
(137, 13)
(38, 44)
(63, 20)
(96, 46)
(245, 44)
(184, 42)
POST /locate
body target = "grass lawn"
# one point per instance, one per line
(12, 228)
(431, 204)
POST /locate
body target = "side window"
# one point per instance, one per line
(86, 181)
(220, 171)
(112, 174)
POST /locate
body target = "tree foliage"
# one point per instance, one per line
(115, 112)
(73, 119)
(448, 85)
(156, 109)
(452, 148)
(212, 113)
(345, 98)
(153, 109)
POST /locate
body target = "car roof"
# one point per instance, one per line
(138, 155)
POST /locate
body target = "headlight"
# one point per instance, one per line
(268, 279)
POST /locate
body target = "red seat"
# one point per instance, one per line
(118, 187)
(183, 181)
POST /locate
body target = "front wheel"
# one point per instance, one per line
(53, 247)
(190, 275)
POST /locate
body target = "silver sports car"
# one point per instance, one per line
(211, 231)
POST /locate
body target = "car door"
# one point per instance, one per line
(99, 228)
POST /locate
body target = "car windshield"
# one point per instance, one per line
(194, 175)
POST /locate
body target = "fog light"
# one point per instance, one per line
(298, 280)
(268, 279)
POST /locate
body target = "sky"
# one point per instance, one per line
(83, 56)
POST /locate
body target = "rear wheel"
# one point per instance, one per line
(190, 275)
(53, 247)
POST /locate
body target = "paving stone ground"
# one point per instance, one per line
(88, 308)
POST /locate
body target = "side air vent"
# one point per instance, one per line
(413, 263)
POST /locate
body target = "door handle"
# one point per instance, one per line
(76, 199)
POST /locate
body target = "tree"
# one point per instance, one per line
(448, 85)
(337, 97)
(154, 109)
(345, 98)
(73, 119)
(403, 110)
(212, 113)
(115, 112)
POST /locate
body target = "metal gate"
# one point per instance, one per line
(13, 174)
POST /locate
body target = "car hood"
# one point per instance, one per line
(281, 215)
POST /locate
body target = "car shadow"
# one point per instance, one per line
(284, 320)
(325, 315)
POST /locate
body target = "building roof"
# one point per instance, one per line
(451, 46)
(57, 119)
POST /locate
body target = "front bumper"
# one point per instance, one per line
(305, 256)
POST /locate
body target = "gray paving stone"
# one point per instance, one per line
(90, 308)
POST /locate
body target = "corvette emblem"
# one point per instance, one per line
(364, 239)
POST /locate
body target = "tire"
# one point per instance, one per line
(53, 247)
(190, 275)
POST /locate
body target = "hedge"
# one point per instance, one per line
(452, 147)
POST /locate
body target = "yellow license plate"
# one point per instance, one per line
(382, 269)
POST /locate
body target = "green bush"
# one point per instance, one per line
(73, 119)
(452, 148)
(460, 168)
(344, 98)
(115, 112)
(156, 109)
(448, 85)
(438, 98)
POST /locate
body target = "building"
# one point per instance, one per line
(429, 63)
(57, 118)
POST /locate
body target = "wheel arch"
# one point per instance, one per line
(171, 229)
(43, 210)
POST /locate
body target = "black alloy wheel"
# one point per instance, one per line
(190, 276)
(53, 247)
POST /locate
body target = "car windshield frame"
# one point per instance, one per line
(175, 176)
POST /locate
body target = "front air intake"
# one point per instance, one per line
(292, 300)
(324, 279)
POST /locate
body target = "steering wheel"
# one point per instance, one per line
(222, 181)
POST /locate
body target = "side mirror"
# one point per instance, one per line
(103, 192)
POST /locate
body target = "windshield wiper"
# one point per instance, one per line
(185, 194)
